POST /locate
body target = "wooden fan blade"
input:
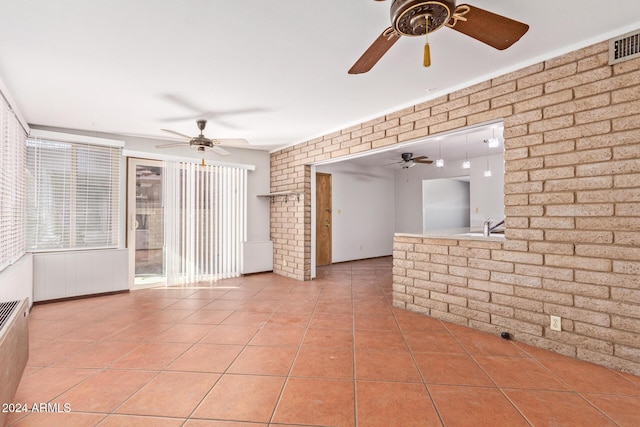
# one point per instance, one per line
(219, 150)
(487, 27)
(180, 144)
(422, 159)
(176, 133)
(376, 51)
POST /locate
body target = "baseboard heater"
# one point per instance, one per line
(14, 349)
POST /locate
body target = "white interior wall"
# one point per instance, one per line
(486, 194)
(408, 193)
(445, 204)
(16, 281)
(363, 212)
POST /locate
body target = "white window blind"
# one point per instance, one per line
(72, 195)
(12, 183)
(205, 222)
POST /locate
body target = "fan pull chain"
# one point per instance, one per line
(426, 61)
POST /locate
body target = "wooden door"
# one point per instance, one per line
(323, 219)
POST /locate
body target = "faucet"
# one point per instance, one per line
(487, 228)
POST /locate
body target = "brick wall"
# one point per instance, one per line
(572, 196)
(483, 285)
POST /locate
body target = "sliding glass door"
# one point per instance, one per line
(145, 220)
(186, 222)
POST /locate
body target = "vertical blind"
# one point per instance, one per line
(12, 183)
(205, 222)
(72, 195)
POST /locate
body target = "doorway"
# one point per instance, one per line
(145, 218)
(323, 219)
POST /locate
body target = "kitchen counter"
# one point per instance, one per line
(456, 234)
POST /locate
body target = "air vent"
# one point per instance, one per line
(625, 47)
(14, 349)
(6, 309)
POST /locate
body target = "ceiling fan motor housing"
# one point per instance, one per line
(200, 142)
(411, 17)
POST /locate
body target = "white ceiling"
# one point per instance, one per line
(271, 71)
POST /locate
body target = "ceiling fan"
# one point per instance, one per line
(201, 143)
(421, 17)
(408, 161)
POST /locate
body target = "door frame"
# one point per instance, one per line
(130, 235)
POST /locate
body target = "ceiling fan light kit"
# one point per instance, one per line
(426, 58)
(410, 17)
(419, 18)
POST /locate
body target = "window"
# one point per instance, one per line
(72, 195)
(12, 179)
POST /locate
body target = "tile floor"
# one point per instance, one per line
(264, 350)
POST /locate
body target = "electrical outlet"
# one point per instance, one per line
(556, 323)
